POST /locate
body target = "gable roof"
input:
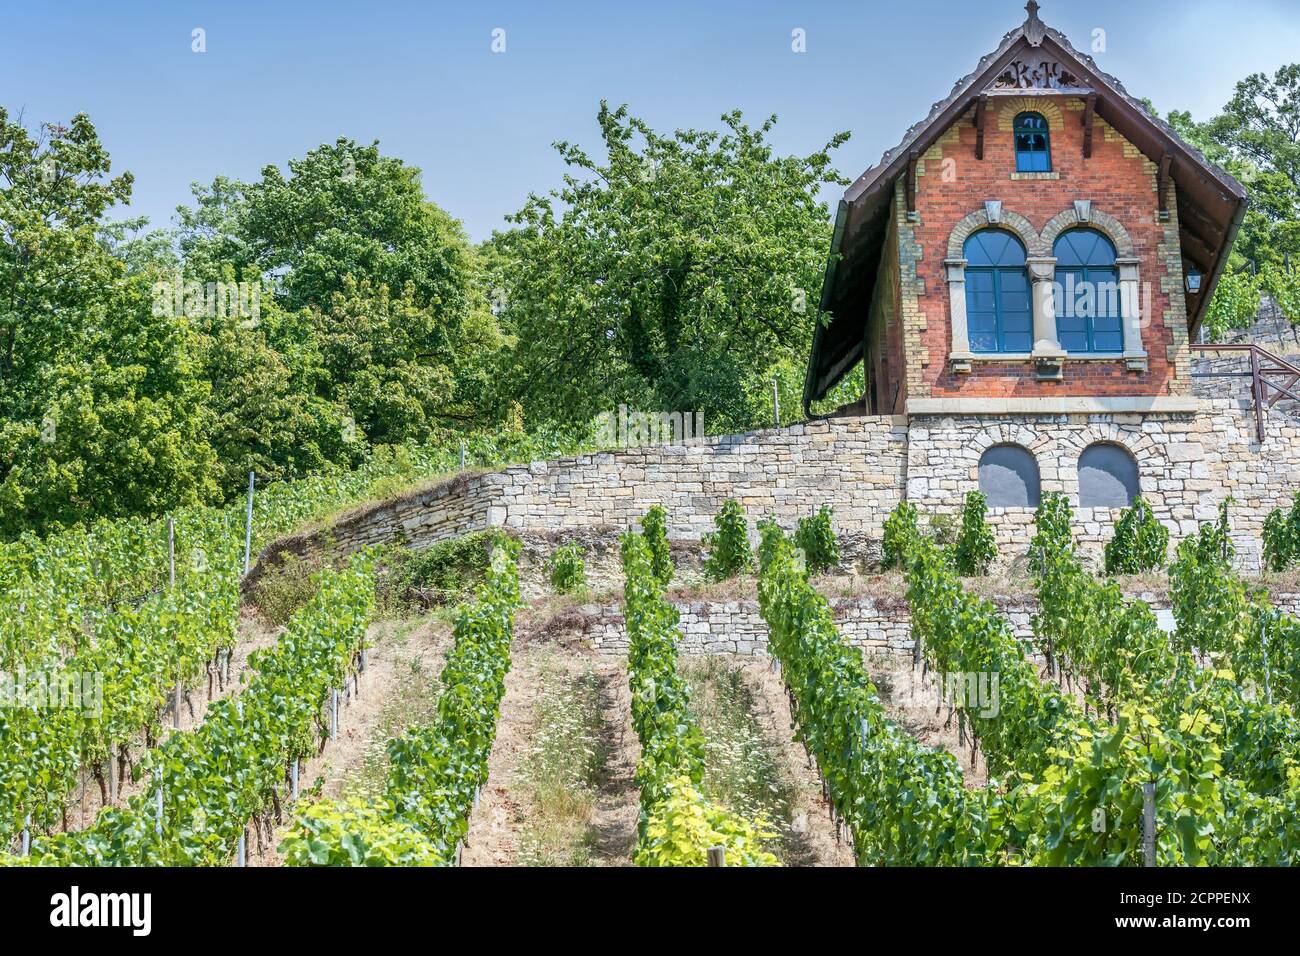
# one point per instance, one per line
(1210, 202)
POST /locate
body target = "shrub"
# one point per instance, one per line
(729, 553)
(1141, 543)
(354, 833)
(682, 826)
(440, 574)
(1213, 542)
(901, 536)
(976, 548)
(565, 569)
(1282, 537)
(654, 528)
(817, 539)
(1052, 535)
(942, 530)
(285, 589)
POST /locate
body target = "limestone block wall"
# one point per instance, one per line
(1187, 464)
(856, 465)
(862, 467)
(877, 625)
(1220, 375)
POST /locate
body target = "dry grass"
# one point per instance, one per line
(742, 767)
(286, 588)
(413, 705)
(382, 493)
(562, 772)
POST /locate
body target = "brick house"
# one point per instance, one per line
(1037, 174)
(1038, 251)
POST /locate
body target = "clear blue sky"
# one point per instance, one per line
(281, 77)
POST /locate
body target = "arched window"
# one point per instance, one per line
(1108, 477)
(1009, 477)
(1088, 310)
(998, 315)
(1033, 147)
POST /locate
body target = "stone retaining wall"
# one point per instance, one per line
(1187, 464)
(880, 625)
(856, 465)
(862, 467)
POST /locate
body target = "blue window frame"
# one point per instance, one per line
(998, 313)
(1033, 144)
(1089, 313)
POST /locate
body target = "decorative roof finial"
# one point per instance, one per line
(1034, 28)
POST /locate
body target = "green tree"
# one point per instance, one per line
(1234, 305)
(121, 429)
(1259, 129)
(671, 274)
(101, 403)
(54, 190)
(264, 412)
(342, 210)
(396, 331)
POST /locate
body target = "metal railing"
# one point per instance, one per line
(1267, 371)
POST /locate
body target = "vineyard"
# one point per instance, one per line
(1103, 740)
(108, 632)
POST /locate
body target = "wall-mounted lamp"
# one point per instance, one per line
(1192, 278)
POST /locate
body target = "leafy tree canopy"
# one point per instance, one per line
(672, 274)
(342, 210)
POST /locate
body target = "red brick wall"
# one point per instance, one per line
(1121, 185)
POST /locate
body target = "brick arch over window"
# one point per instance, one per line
(1010, 221)
(1011, 107)
(1096, 219)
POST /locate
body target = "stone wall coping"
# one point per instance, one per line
(1063, 405)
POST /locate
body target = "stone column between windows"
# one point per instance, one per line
(1048, 354)
(1135, 356)
(961, 354)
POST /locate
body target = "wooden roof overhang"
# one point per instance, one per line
(1210, 202)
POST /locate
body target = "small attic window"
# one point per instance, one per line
(1033, 149)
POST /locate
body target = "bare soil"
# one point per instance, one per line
(916, 704)
(506, 810)
(812, 840)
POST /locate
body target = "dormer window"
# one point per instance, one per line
(1033, 147)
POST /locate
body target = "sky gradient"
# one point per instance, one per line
(281, 77)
